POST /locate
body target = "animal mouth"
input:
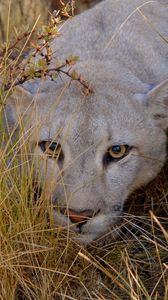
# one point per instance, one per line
(88, 230)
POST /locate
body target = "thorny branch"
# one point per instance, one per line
(37, 64)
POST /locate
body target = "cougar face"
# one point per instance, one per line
(93, 150)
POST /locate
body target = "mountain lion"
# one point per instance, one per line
(93, 150)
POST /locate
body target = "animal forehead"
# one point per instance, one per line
(95, 123)
(87, 119)
(88, 130)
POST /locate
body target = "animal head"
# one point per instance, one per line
(92, 151)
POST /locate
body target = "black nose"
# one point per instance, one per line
(78, 216)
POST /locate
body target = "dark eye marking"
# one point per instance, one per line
(51, 149)
(116, 153)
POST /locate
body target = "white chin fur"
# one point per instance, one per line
(95, 229)
(85, 238)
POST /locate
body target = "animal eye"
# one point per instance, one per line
(51, 149)
(117, 151)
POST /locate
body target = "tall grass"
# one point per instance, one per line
(41, 261)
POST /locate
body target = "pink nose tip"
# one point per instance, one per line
(76, 216)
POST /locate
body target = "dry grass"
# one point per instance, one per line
(24, 13)
(39, 261)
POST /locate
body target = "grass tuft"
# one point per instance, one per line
(39, 260)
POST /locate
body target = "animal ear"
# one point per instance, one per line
(156, 101)
(20, 99)
(16, 106)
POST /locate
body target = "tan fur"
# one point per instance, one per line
(124, 55)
